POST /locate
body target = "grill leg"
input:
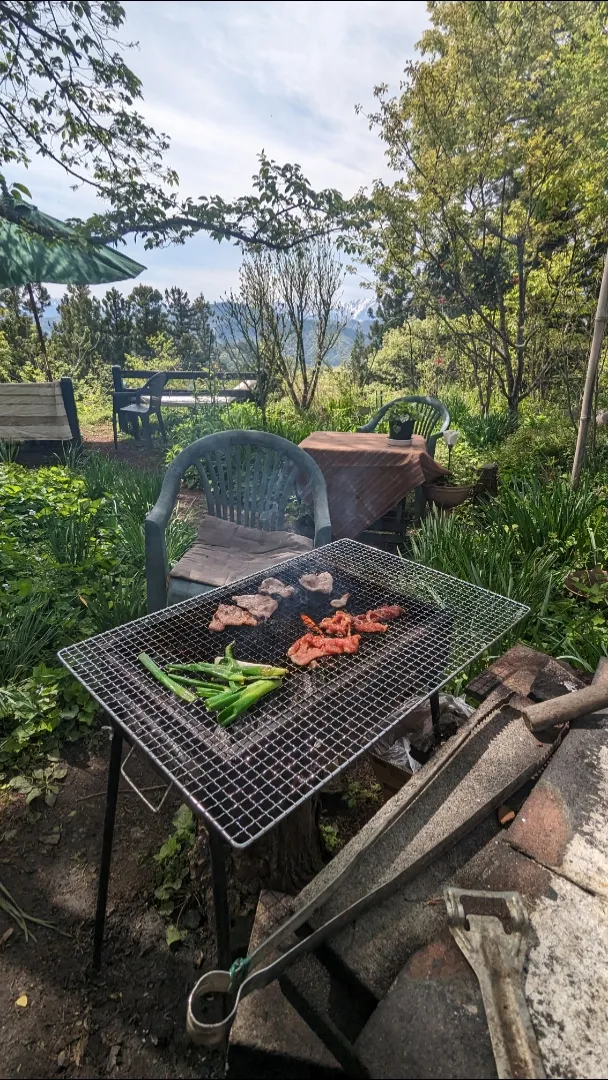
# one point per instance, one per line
(220, 899)
(434, 703)
(106, 849)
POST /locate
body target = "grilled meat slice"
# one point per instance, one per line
(311, 647)
(341, 602)
(338, 625)
(274, 587)
(386, 613)
(322, 582)
(227, 615)
(364, 625)
(261, 607)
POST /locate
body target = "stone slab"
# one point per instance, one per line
(499, 752)
(564, 822)
(269, 1038)
(566, 983)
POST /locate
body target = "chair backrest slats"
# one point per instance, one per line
(429, 414)
(249, 477)
(238, 464)
(207, 491)
(247, 487)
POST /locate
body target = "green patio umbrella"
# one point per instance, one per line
(37, 247)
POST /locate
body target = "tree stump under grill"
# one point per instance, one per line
(284, 860)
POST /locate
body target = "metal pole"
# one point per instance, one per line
(106, 849)
(601, 317)
(220, 898)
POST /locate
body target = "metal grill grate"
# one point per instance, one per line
(246, 778)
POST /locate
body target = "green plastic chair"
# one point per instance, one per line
(248, 479)
(128, 407)
(431, 416)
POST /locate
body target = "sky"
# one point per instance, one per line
(227, 79)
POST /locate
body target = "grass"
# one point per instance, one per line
(522, 545)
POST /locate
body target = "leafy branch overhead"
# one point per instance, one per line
(67, 94)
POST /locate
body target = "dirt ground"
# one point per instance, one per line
(128, 1020)
(100, 437)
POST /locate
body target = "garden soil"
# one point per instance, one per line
(57, 1016)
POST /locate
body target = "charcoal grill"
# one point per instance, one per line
(243, 780)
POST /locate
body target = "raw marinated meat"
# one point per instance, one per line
(226, 615)
(364, 625)
(322, 583)
(386, 613)
(342, 602)
(339, 625)
(342, 623)
(311, 647)
(274, 587)
(262, 607)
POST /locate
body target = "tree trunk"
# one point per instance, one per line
(284, 860)
(42, 342)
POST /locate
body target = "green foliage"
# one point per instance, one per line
(40, 784)
(72, 562)
(330, 838)
(494, 230)
(59, 61)
(172, 875)
(25, 634)
(357, 793)
(70, 538)
(523, 544)
(39, 713)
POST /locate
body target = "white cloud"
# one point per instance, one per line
(225, 80)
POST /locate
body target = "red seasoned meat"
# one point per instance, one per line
(312, 647)
(366, 625)
(226, 615)
(386, 613)
(322, 583)
(339, 625)
(262, 607)
(274, 587)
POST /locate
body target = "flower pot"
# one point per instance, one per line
(401, 430)
(447, 496)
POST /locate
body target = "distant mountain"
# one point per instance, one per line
(338, 355)
(341, 350)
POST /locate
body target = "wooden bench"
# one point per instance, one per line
(39, 413)
(179, 398)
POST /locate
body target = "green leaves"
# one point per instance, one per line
(173, 868)
(40, 783)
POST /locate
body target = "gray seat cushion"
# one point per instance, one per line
(225, 552)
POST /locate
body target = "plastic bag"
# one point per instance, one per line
(416, 730)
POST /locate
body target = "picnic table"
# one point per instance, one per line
(195, 395)
(367, 474)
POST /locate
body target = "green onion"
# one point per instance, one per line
(246, 699)
(175, 688)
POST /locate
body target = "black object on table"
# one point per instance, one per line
(243, 780)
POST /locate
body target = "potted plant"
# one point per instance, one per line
(441, 492)
(400, 423)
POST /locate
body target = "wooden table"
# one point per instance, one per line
(367, 475)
